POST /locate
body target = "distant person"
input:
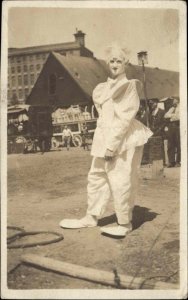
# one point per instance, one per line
(30, 146)
(174, 147)
(44, 141)
(84, 134)
(142, 114)
(20, 127)
(67, 135)
(12, 130)
(117, 149)
(157, 124)
(157, 121)
(168, 103)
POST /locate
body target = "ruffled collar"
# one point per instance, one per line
(109, 89)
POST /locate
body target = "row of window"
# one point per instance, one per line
(34, 57)
(19, 94)
(26, 68)
(24, 80)
(31, 57)
(68, 52)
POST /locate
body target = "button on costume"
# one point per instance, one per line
(117, 102)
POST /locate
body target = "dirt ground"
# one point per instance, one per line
(43, 189)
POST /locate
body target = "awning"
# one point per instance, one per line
(16, 110)
(169, 98)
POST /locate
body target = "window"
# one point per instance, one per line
(19, 80)
(24, 58)
(26, 92)
(25, 79)
(25, 68)
(38, 56)
(13, 70)
(32, 79)
(20, 94)
(38, 67)
(12, 59)
(31, 57)
(31, 68)
(52, 84)
(13, 81)
(14, 98)
(18, 59)
(18, 69)
(44, 56)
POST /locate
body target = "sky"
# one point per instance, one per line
(136, 29)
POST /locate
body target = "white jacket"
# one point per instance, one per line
(173, 113)
(117, 103)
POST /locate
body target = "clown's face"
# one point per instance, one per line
(117, 66)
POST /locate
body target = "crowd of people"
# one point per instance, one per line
(166, 124)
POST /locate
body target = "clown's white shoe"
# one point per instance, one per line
(117, 230)
(87, 221)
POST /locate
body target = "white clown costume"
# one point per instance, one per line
(117, 102)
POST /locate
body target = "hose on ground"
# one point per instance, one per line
(22, 233)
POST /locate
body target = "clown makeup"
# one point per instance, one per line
(117, 66)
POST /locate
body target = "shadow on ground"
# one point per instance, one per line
(140, 216)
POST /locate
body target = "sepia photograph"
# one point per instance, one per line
(93, 150)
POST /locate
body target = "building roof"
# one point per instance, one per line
(86, 72)
(159, 83)
(43, 48)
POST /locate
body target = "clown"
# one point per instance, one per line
(117, 149)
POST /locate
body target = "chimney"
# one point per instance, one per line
(80, 37)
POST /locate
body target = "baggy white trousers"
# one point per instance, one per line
(116, 179)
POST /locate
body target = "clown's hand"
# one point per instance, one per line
(109, 155)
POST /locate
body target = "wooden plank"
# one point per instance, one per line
(90, 274)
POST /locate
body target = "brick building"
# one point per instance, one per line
(25, 64)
